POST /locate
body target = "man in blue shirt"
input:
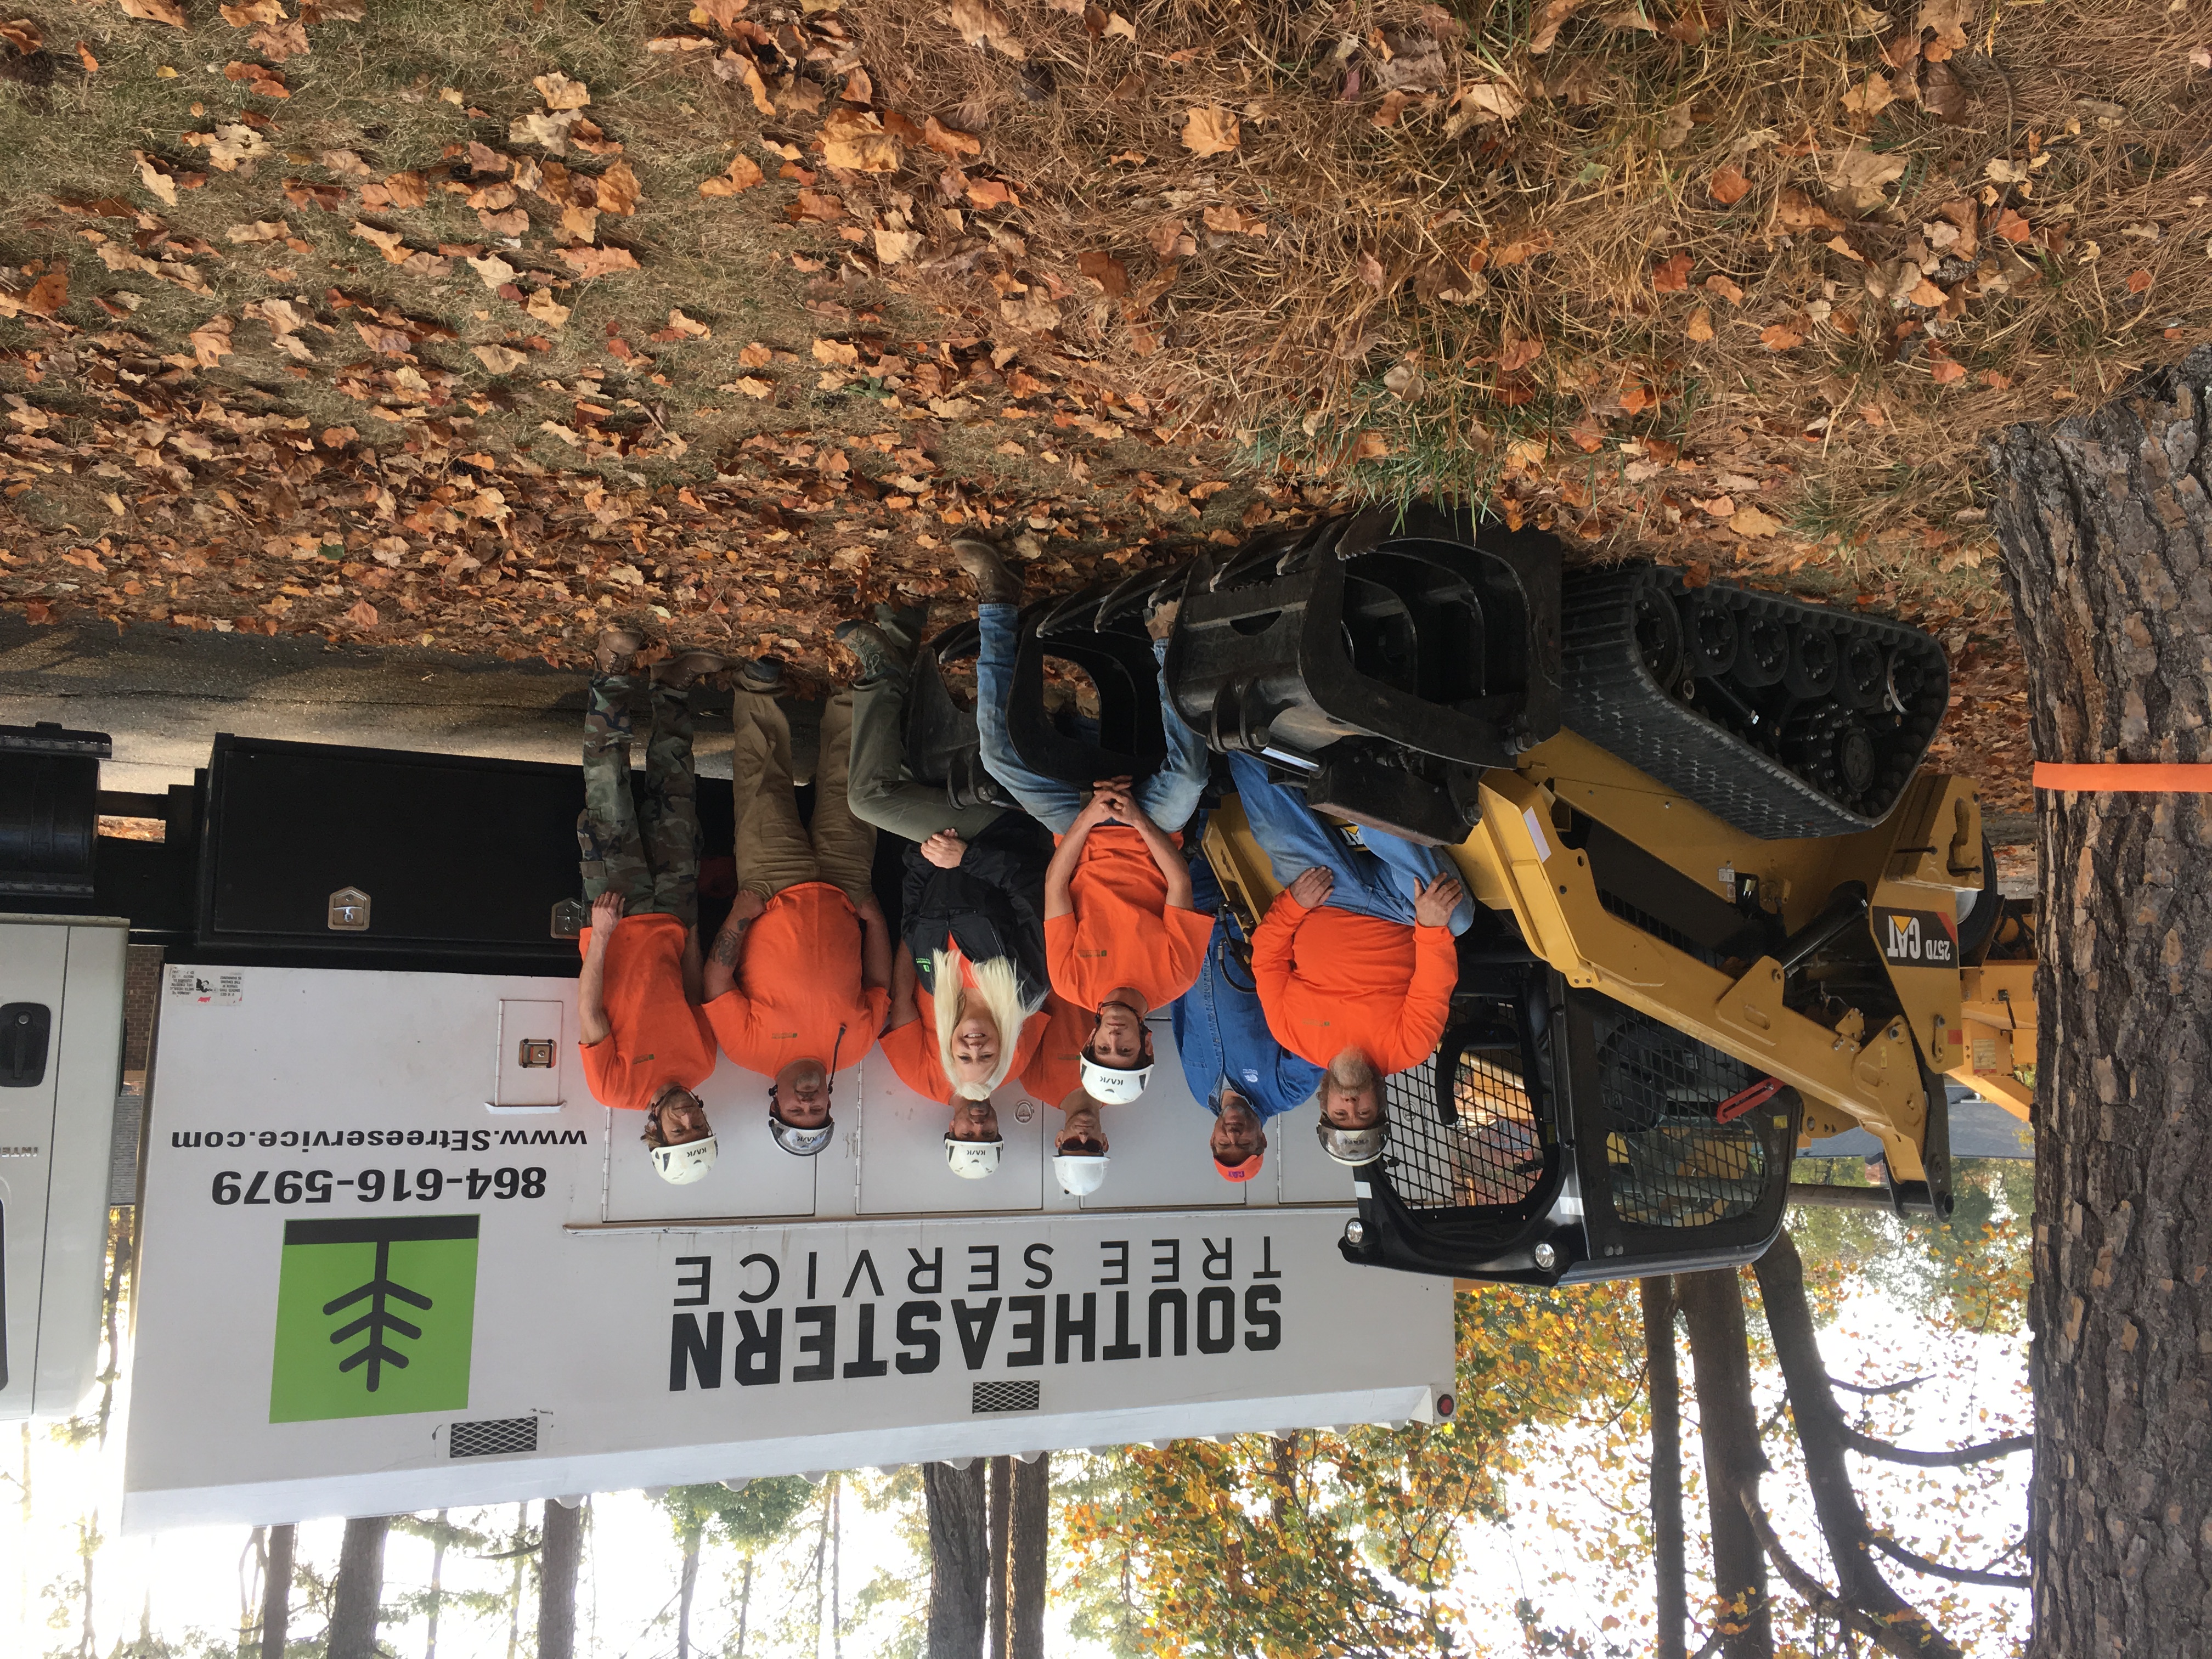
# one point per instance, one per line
(1230, 1058)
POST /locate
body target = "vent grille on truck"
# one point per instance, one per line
(491, 1436)
(1004, 1397)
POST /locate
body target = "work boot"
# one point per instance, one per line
(994, 583)
(880, 659)
(762, 676)
(903, 625)
(617, 650)
(684, 670)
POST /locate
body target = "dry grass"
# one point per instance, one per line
(1407, 272)
(1435, 260)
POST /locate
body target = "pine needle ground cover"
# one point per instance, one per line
(469, 326)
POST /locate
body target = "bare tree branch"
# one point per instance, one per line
(1872, 1391)
(1867, 1446)
(1891, 1547)
(1909, 1635)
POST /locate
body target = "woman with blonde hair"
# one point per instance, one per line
(969, 991)
(987, 1006)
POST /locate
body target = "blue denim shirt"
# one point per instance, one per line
(1220, 1032)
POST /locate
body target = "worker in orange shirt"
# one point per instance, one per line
(1354, 961)
(1120, 936)
(645, 1045)
(799, 980)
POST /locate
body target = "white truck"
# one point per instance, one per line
(393, 1255)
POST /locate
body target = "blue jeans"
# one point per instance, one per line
(1168, 797)
(1221, 1031)
(1377, 878)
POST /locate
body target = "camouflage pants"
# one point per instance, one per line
(641, 844)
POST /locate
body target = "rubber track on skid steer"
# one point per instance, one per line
(1609, 695)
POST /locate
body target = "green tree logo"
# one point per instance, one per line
(374, 1316)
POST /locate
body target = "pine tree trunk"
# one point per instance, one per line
(360, 1589)
(745, 1607)
(437, 1588)
(87, 1549)
(514, 1584)
(959, 1559)
(1672, 1604)
(1728, 1427)
(560, 1551)
(685, 1588)
(277, 1594)
(2105, 524)
(1029, 1538)
(1002, 1509)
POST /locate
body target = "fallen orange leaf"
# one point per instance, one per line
(1729, 186)
(744, 174)
(1671, 276)
(1211, 131)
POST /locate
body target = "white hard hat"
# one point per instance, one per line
(1110, 1085)
(800, 1143)
(1353, 1147)
(971, 1160)
(1080, 1172)
(679, 1166)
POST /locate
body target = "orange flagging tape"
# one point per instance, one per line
(2123, 779)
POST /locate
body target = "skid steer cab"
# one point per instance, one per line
(1723, 911)
(1558, 1135)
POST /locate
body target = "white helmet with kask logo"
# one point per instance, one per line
(971, 1160)
(680, 1166)
(1110, 1085)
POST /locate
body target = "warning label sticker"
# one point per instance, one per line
(225, 986)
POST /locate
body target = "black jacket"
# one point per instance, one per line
(991, 905)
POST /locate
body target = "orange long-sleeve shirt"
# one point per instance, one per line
(1330, 981)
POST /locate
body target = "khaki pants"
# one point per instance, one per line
(774, 851)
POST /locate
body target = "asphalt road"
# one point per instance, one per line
(163, 694)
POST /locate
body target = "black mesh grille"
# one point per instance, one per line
(1670, 1165)
(1645, 921)
(1004, 1397)
(492, 1435)
(1476, 1144)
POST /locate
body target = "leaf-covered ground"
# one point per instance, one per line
(472, 325)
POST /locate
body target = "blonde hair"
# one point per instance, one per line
(996, 988)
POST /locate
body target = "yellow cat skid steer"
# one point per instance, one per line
(1722, 909)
